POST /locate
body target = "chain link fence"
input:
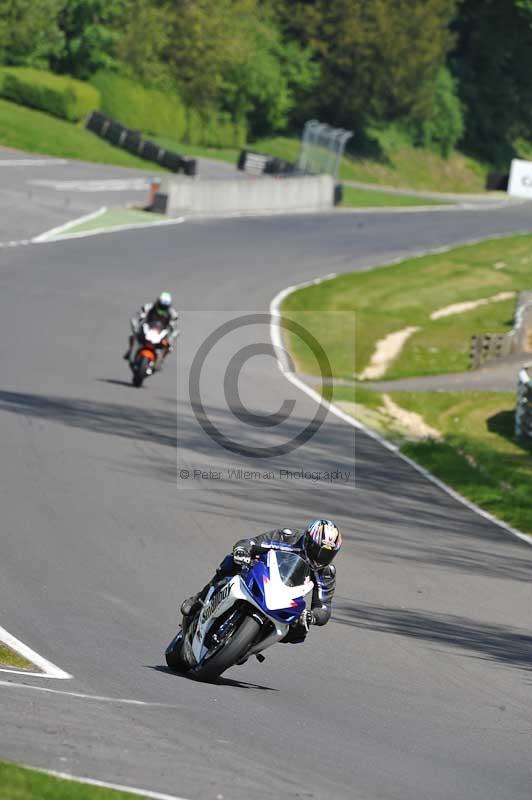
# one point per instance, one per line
(322, 148)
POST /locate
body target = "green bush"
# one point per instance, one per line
(212, 128)
(148, 110)
(163, 114)
(445, 126)
(56, 94)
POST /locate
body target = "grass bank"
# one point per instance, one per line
(12, 660)
(401, 166)
(464, 438)
(391, 298)
(367, 198)
(20, 783)
(36, 132)
(477, 454)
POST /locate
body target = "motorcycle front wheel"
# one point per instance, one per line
(235, 649)
(139, 371)
(173, 655)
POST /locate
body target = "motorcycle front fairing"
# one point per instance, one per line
(276, 584)
(154, 333)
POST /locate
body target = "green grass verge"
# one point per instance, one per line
(404, 166)
(36, 132)
(9, 658)
(20, 783)
(115, 218)
(478, 455)
(359, 198)
(227, 154)
(390, 298)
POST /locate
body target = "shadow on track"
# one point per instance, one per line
(116, 382)
(395, 512)
(220, 682)
(498, 643)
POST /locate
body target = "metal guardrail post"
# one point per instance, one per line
(523, 408)
(342, 141)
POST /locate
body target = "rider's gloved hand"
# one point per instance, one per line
(306, 619)
(241, 556)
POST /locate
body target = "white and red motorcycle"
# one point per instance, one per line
(152, 340)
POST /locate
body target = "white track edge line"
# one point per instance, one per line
(118, 787)
(100, 698)
(49, 670)
(111, 229)
(22, 672)
(47, 235)
(276, 339)
(32, 162)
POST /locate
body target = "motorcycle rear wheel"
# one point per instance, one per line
(235, 649)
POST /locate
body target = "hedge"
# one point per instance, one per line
(164, 114)
(148, 110)
(59, 95)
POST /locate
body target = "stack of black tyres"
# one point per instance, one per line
(132, 141)
(249, 159)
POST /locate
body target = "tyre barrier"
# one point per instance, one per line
(132, 141)
(497, 181)
(523, 408)
(261, 164)
(489, 346)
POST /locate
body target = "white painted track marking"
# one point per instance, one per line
(82, 696)
(131, 226)
(23, 672)
(61, 233)
(94, 185)
(15, 243)
(49, 670)
(118, 787)
(60, 229)
(277, 342)
(32, 162)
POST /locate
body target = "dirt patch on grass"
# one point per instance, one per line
(469, 305)
(385, 351)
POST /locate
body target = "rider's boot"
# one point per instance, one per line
(127, 354)
(191, 605)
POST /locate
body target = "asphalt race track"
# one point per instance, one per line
(41, 192)
(420, 685)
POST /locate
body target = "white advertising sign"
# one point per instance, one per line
(520, 182)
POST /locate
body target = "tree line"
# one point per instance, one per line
(442, 72)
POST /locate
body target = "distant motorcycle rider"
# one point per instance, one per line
(318, 544)
(161, 310)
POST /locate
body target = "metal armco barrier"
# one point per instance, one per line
(489, 346)
(132, 141)
(523, 409)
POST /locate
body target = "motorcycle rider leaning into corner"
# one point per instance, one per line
(161, 310)
(318, 544)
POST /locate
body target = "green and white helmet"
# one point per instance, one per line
(163, 303)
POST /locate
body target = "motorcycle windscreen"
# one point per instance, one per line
(293, 571)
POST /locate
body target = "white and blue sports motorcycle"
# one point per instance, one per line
(243, 615)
